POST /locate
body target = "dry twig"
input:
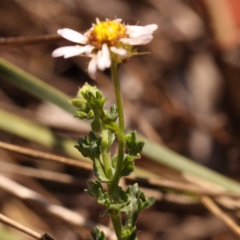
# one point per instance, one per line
(214, 209)
(57, 210)
(29, 40)
(8, 221)
(45, 156)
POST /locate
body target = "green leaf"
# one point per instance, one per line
(104, 199)
(134, 147)
(112, 125)
(90, 105)
(113, 112)
(128, 165)
(137, 202)
(81, 104)
(114, 161)
(90, 146)
(99, 171)
(97, 234)
(95, 189)
(107, 140)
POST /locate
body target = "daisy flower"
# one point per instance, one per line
(106, 42)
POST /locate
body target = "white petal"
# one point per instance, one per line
(79, 50)
(137, 41)
(106, 58)
(119, 51)
(131, 28)
(88, 49)
(72, 35)
(137, 31)
(92, 67)
(62, 51)
(100, 62)
(70, 51)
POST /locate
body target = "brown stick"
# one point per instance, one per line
(19, 227)
(215, 210)
(45, 156)
(29, 40)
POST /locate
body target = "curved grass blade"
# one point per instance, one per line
(34, 86)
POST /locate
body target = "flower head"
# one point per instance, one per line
(106, 42)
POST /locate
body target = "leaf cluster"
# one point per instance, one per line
(96, 146)
(131, 202)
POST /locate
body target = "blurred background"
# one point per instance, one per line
(184, 95)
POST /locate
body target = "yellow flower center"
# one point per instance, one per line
(107, 32)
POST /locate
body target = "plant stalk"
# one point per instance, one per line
(121, 142)
(113, 186)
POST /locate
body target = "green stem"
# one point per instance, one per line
(113, 186)
(121, 142)
(117, 224)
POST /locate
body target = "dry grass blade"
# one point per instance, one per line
(26, 41)
(152, 182)
(56, 210)
(181, 186)
(42, 174)
(19, 227)
(45, 156)
(214, 209)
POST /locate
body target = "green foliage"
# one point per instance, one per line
(97, 146)
(97, 234)
(131, 202)
(137, 202)
(95, 189)
(134, 147)
(134, 152)
(128, 164)
(91, 147)
(90, 105)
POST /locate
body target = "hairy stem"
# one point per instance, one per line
(121, 142)
(113, 186)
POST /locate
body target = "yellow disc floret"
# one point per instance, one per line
(108, 32)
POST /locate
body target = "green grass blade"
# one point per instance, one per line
(31, 131)
(34, 86)
(174, 160)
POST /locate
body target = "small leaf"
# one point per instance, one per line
(113, 112)
(96, 125)
(81, 115)
(137, 201)
(114, 161)
(128, 165)
(90, 146)
(95, 189)
(97, 234)
(134, 147)
(104, 198)
(99, 170)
